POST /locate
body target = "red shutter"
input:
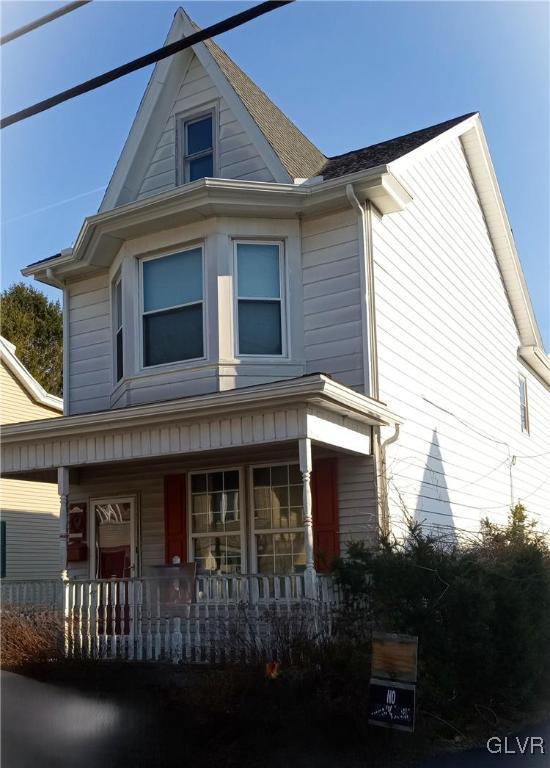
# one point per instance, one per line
(175, 518)
(326, 523)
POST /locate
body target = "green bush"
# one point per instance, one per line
(481, 611)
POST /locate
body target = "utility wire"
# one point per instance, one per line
(143, 61)
(42, 20)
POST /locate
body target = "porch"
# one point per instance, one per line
(204, 529)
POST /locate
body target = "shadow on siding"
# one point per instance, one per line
(433, 507)
(31, 544)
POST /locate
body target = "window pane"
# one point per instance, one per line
(262, 476)
(279, 475)
(119, 355)
(260, 328)
(231, 480)
(172, 280)
(173, 335)
(201, 167)
(199, 135)
(258, 270)
(198, 483)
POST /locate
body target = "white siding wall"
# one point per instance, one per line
(90, 345)
(357, 500)
(237, 158)
(332, 298)
(448, 359)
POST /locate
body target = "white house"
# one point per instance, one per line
(270, 352)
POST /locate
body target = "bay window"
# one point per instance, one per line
(216, 530)
(172, 299)
(259, 298)
(278, 524)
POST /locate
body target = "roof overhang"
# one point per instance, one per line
(27, 381)
(474, 143)
(312, 406)
(102, 235)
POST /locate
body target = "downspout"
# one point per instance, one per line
(368, 317)
(62, 285)
(384, 505)
(370, 346)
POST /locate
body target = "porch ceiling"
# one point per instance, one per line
(311, 406)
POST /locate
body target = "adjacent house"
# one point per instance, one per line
(29, 511)
(270, 352)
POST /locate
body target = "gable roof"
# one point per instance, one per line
(299, 156)
(385, 151)
(27, 381)
(286, 151)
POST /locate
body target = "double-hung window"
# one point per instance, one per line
(523, 404)
(259, 298)
(216, 540)
(173, 307)
(198, 147)
(119, 340)
(278, 523)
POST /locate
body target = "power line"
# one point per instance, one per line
(143, 61)
(25, 29)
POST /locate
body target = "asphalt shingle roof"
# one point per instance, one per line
(384, 152)
(298, 155)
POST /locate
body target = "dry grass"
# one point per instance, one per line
(29, 637)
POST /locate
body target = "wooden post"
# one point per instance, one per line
(63, 490)
(304, 445)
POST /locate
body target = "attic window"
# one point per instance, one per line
(524, 407)
(198, 147)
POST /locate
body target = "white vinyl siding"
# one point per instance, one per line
(448, 363)
(90, 345)
(237, 157)
(332, 297)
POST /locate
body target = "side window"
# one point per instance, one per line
(198, 147)
(216, 518)
(523, 404)
(172, 300)
(117, 327)
(278, 519)
(259, 297)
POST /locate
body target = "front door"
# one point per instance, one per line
(115, 539)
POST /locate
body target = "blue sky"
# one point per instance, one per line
(349, 74)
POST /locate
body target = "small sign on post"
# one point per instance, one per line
(392, 690)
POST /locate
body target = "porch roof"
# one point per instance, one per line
(312, 406)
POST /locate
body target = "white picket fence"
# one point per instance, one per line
(208, 619)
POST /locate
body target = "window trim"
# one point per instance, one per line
(243, 511)
(117, 280)
(141, 311)
(135, 531)
(253, 554)
(525, 428)
(280, 243)
(182, 175)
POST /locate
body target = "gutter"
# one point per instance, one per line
(368, 309)
(286, 200)
(537, 360)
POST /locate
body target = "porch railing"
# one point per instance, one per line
(206, 619)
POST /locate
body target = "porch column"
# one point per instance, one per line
(305, 468)
(63, 490)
